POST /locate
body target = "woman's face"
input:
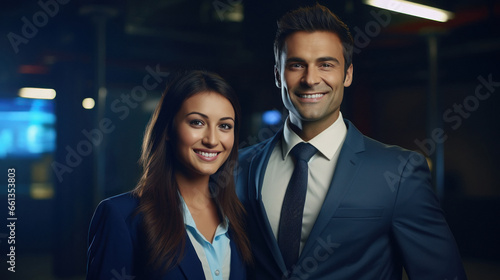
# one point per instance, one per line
(204, 129)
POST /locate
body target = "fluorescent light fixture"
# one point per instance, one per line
(88, 103)
(413, 9)
(37, 93)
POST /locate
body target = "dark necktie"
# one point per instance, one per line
(290, 226)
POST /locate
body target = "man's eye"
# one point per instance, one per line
(295, 66)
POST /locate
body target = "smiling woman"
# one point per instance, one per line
(179, 222)
(205, 134)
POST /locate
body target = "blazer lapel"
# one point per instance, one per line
(237, 267)
(257, 170)
(347, 165)
(190, 264)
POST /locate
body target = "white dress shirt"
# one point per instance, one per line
(321, 168)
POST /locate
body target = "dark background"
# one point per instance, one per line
(401, 93)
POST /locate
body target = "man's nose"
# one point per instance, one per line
(311, 76)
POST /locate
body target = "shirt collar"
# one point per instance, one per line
(327, 142)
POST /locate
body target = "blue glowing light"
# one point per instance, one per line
(27, 127)
(271, 117)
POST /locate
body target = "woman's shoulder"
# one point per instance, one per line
(124, 205)
(127, 198)
(115, 238)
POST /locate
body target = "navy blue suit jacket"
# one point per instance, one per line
(118, 249)
(380, 214)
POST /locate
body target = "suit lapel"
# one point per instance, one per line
(237, 266)
(257, 170)
(190, 264)
(346, 168)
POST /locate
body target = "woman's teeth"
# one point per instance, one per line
(206, 154)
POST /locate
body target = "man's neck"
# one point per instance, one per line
(307, 130)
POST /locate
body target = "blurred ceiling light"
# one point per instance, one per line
(37, 93)
(149, 104)
(413, 9)
(33, 69)
(236, 15)
(88, 103)
(229, 12)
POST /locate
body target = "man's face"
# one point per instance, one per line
(311, 77)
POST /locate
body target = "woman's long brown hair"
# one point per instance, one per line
(157, 189)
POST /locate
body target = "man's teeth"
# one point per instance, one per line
(318, 95)
(206, 154)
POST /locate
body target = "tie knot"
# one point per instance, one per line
(303, 151)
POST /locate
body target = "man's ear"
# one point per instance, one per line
(348, 76)
(277, 76)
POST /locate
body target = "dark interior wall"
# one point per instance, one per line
(387, 100)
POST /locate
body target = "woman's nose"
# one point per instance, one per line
(210, 138)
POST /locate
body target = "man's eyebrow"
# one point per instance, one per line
(295, 59)
(328, 58)
(320, 59)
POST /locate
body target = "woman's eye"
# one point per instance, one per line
(196, 122)
(226, 126)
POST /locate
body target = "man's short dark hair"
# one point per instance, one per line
(309, 19)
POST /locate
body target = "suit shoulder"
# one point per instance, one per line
(357, 141)
(377, 146)
(117, 212)
(123, 205)
(391, 155)
(249, 152)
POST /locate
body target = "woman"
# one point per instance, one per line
(183, 220)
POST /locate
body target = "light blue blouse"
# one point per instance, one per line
(215, 257)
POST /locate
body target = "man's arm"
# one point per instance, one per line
(424, 239)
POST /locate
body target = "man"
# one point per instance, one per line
(369, 209)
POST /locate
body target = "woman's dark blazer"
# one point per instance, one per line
(117, 247)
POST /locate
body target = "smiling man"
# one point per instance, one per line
(318, 203)
(311, 66)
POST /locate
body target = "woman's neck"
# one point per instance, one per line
(194, 191)
(197, 196)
